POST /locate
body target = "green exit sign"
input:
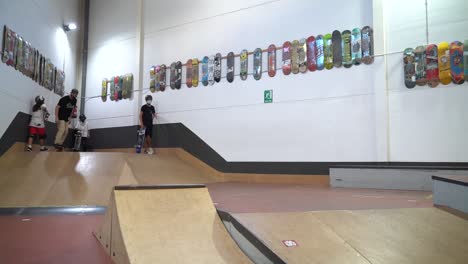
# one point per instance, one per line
(268, 96)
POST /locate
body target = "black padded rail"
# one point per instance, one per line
(33, 211)
(255, 241)
(448, 180)
(406, 166)
(158, 187)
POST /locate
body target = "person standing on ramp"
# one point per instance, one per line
(147, 114)
(63, 112)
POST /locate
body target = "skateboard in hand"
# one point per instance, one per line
(328, 51)
(347, 58)
(104, 90)
(272, 60)
(140, 139)
(444, 63)
(195, 71)
(311, 54)
(432, 70)
(189, 72)
(302, 54)
(420, 64)
(456, 62)
(286, 58)
(205, 71)
(257, 60)
(409, 68)
(356, 53)
(217, 67)
(295, 57)
(244, 64)
(367, 43)
(230, 67)
(337, 49)
(320, 52)
(211, 68)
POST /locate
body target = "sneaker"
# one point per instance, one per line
(150, 151)
(44, 149)
(29, 149)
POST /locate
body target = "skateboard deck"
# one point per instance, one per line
(319, 53)
(420, 64)
(178, 80)
(432, 70)
(128, 86)
(328, 51)
(37, 60)
(444, 63)
(195, 70)
(257, 67)
(24, 69)
(121, 78)
(9, 46)
(124, 88)
(409, 68)
(41, 70)
(295, 57)
(111, 89)
(77, 145)
(48, 74)
(302, 54)
(367, 43)
(217, 67)
(272, 60)
(230, 67)
(356, 53)
(59, 82)
(172, 75)
(32, 60)
(116, 88)
(104, 90)
(244, 64)
(456, 62)
(188, 75)
(211, 68)
(157, 79)
(337, 49)
(162, 78)
(465, 57)
(286, 58)
(347, 58)
(153, 78)
(204, 76)
(19, 53)
(311, 54)
(140, 139)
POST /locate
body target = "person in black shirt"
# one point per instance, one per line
(147, 114)
(63, 113)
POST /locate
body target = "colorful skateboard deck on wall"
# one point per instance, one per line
(444, 63)
(211, 68)
(157, 78)
(456, 62)
(244, 64)
(465, 57)
(204, 76)
(189, 72)
(356, 53)
(337, 49)
(37, 60)
(346, 40)
(311, 54)
(217, 67)
(19, 53)
(104, 90)
(9, 46)
(24, 69)
(172, 75)
(111, 89)
(129, 79)
(286, 58)
(162, 77)
(420, 64)
(367, 43)
(178, 81)
(409, 68)
(295, 57)
(116, 88)
(302, 54)
(230, 67)
(60, 83)
(121, 78)
(153, 79)
(432, 62)
(48, 74)
(328, 51)
(257, 67)
(320, 52)
(195, 70)
(272, 60)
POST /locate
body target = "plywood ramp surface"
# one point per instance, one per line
(177, 225)
(422, 235)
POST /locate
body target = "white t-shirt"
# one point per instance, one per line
(83, 127)
(38, 118)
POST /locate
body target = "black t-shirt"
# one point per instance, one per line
(66, 107)
(148, 111)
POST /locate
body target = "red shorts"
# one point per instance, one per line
(40, 131)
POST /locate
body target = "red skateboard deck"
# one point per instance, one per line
(287, 58)
(311, 56)
(432, 70)
(272, 60)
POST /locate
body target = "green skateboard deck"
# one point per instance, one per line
(19, 53)
(420, 62)
(337, 49)
(347, 58)
(367, 42)
(257, 60)
(328, 51)
(112, 89)
(244, 63)
(409, 68)
(356, 53)
(295, 57)
(195, 70)
(104, 90)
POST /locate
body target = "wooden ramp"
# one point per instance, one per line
(166, 224)
(413, 236)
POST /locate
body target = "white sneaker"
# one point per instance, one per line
(150, 151)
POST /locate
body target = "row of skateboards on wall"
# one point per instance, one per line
(117, 88)
(434, 64)
(346, 48)
(21, 55)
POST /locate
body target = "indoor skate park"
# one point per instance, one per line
(249, 131)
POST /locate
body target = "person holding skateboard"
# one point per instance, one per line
(147, 114)
(82, 127)
(63, 112)
(37, 123)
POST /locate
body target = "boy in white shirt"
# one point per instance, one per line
(82, 126)
(37, 123)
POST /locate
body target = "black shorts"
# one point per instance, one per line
(149, 131)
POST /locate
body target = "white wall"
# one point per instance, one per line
(360, 114)
(40, 23)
